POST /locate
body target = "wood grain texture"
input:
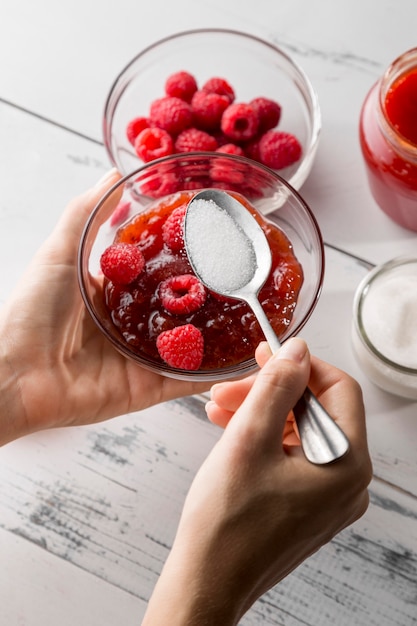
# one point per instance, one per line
(107, 500)
(88, 515)
(39, 588)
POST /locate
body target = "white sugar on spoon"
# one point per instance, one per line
(220, 250)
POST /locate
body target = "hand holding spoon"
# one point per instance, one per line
(230, 254)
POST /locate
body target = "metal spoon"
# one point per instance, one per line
(230, 254)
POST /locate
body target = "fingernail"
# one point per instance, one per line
(208, 405)
(294, 349)
(106, 177)
(215, 387)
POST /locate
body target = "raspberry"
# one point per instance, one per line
(219, 86)
(181, 85)
(239, 122)
(182, 347)
(160, 186)
(172, 229)
(231, 148)
(220, 137)
(171, 114)
(120, 213)
(278, 149)
(195, 140)
(122, 263)
(135, 126)
(223, 170)
(252, 149)
(208, 109)
(268, 112)
(153, 143)
(182, 294)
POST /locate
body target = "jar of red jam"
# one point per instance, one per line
(388, 138)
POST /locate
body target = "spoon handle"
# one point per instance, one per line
(321, 438)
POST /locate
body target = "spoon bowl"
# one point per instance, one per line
(230, 254)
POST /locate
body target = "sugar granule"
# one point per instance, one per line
(220, 251)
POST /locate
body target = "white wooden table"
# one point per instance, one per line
(87, 515)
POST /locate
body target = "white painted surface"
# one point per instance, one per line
(87, 515)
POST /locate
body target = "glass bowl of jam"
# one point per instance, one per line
(388, 139)
(254, 70)
(139, 287)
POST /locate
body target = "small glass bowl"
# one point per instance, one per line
(384, 327)
(193, 171)
(253, 67)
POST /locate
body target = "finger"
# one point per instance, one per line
(342, 397)
(263, 353)
(291, 440)
(290, 432)
(217, 415)
(276, 390)
(230, 395)
(335, 389)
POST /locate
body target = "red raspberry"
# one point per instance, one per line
(160, 186)
(153, 143)
(278, 149)
(239, 122)
(223, 170)
(120, 213)
(195, 140)
(171, 114)
(219, 86)
(231, 148)
(182, 347)
(182, 294)
(181, 85)
(252, 149)
(135, 126)
(220, 137)
(268, 112)
(208, 109)
(173, 229)
(122, 263)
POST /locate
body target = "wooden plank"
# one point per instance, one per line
(99, 505)
(50, 167)
(37, 588)
(107, 499)
(365, 577)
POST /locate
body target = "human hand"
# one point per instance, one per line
(257, 508)
(56, 368)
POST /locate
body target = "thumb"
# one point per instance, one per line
(65, 238)
(278, 386)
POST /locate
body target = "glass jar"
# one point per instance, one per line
(384, 328)
(388, 139)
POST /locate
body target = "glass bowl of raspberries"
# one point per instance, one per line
(214, 90)
(138, 284)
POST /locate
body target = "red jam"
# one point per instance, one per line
(401, 105)
(388, 137)
(230, 329)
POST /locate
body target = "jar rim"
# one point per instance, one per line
(402, 64)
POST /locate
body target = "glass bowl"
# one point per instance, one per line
(253, 67)
(384, 326)
(149, 185)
